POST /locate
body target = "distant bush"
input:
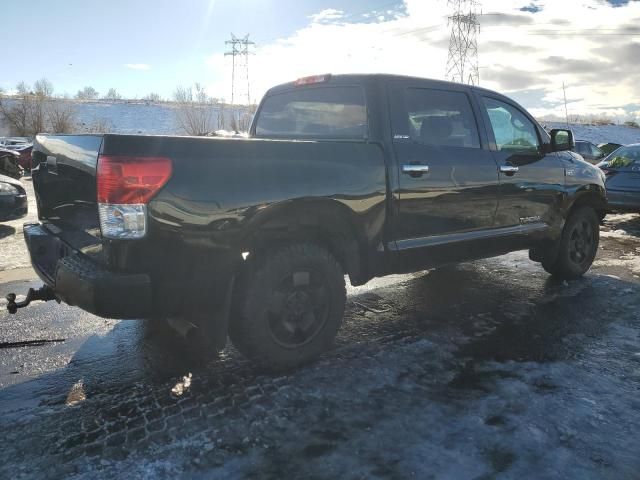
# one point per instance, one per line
(241, 120)
(632, 124)
(194, 110)
(112, 95)
(35, 110)
(61, 115)
(87, 93)
(153, 97)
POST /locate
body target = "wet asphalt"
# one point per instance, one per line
(484, 370)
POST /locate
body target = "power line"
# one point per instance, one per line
(240, 68)
(462, 60)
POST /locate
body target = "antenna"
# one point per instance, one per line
(462, 61)
(240, 87)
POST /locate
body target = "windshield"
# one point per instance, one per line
(623, 157)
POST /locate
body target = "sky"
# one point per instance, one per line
(527, 48)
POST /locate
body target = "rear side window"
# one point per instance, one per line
(319, 112)
(440, 118)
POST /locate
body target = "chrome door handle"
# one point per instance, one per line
(508, 169)
(415, 168)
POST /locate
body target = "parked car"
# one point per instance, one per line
(10, 163)
(622, 169)
(589, 151)
(13, 199)
(25, 156)
(21, 145)
(608, 148)
(364, 175)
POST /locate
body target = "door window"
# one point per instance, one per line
(595, 151)
(438, 118)
(513, 131)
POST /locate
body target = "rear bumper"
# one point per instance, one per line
(623, 201)
(78, 281)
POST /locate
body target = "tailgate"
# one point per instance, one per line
(64, 178)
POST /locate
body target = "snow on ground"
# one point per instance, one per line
(625, 229)
(601, 133)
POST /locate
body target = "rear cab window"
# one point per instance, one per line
(330, 112)
(436, 117)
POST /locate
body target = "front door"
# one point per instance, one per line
(448, 183)
(531, 180)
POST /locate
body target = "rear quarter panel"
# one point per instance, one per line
(222, 188)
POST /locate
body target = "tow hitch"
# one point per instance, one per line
(44, 293)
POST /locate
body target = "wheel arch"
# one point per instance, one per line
(593, 196)
(326, 222)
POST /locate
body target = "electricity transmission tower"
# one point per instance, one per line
(462, 62)
(239, 53)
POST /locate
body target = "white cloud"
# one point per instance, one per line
(327, 15)
(138, 66)
(518, 51)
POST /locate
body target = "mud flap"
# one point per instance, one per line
(545, 253)
(214, 327)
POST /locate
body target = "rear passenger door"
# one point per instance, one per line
(448, 183)
(531, 179)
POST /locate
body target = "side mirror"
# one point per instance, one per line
(561, 140)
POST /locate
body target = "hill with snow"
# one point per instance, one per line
(601, 133)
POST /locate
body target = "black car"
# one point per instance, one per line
(622, 169)
(13, 199)
(589, 151)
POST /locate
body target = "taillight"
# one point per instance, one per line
(125, 187)
(127, 180)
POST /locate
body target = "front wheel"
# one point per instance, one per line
(577, 247)
(289, 307)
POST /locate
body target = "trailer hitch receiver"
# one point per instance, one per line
(44, 293)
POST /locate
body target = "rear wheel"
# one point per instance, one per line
(577, 246)
(289, 307)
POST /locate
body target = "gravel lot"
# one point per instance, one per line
(486, 370)
(13, 253)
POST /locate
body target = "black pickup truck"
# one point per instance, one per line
(363, 175)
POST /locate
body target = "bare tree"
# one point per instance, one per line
(245, 118)
(221, 117)
(87, 93)
(112, 95)
(61, 116)
(25, 112)
(38, 104)
(23, 88)
(36, 111)
(194, 112)
(153, 97)
(16, 111)
(43, 88)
